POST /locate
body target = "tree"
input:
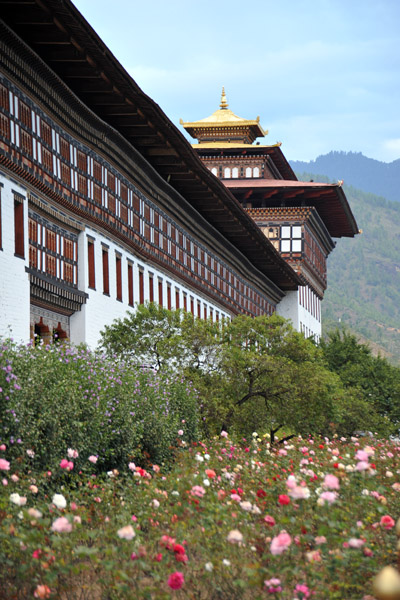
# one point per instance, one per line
(148, 337)
(251, 373)
(371, 378)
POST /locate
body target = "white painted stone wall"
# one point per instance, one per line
(290, 308)
(101, 309)
(14, 281)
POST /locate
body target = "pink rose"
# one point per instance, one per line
(331, 482)
(280, 543)
(66, 464)
(329, 497)
(72, 453)
(176, 580)
(61, 525)
(4, 464)
(93, 459)
(387, 522)
(362, 455)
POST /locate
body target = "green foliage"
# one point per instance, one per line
(67, 398)
(146, 337)
(372, 379)
(251, 373)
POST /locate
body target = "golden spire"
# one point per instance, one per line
(224, 103)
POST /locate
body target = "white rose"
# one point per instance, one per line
(59, 501)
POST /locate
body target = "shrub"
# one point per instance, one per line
(59, 397)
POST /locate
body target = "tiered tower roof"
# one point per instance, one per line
(224, 125)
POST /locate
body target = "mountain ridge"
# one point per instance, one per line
(363, 293)
(355, 169)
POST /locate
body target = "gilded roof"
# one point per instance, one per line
(224, 117)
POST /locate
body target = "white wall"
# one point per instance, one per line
(290, 308)
(14, 281)
(101, 309)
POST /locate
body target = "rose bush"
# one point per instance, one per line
(214, 525)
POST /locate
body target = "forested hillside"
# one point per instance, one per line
(363, 292)
(356, 169)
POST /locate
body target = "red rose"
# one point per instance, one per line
(176, 580)
(284, 499)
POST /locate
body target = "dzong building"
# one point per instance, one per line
(104, 204)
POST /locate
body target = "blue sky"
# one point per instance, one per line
(322, 74)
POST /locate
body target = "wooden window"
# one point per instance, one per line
(124, 192)
(130, 284)
(51, 265)
(192, 305)
(205, 312)
(176, 298)
(65, 173)
(111, 203)
(97, 170)
(199, 309)
(124, 213)
(51, 240)
(46, 133)
(68, 273)
(68, 249)
(82, 185)
(47, 159)
(169, 299)
(111, 181)
(4, 126)
(151, 288)
(141, 286)
(25, 115)
(82, 161)
(160, 292)
(91, 265)
(185, 302)
(4, 97)
(26, 142)
(118, 271)
(64, 149)
(106, 277)
(19, 227)
(32, 257)
(97, 193)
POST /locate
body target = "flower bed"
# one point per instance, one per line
(231, 520)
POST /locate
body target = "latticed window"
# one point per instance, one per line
(4, 97)
(4, 126)
(64, 148)
(47, 159)
(68, 272)
(291, 238)
(26, 142)
(82, 161)
(46, 133)
(25, 114)
(51, 265)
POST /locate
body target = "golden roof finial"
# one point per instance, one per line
(224, 103)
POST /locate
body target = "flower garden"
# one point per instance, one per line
(108, 492)
(231, 519)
